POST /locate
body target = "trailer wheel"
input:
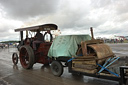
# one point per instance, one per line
(15, 58)
(26, 57)
(57, 68)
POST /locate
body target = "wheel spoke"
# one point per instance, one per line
(26, 57)
(15, 58)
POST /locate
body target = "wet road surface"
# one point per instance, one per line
(40, 75)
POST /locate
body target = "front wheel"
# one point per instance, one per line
(15, 58)
(57, 68)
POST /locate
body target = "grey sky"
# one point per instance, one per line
(108, 17)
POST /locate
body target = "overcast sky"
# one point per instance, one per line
(107, 17)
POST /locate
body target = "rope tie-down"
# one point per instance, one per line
(109, 62)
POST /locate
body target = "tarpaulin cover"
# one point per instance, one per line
(66, 45)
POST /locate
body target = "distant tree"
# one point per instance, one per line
(9, 42)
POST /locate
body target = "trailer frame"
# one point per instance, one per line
(122, 79)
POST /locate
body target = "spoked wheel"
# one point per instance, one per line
(26, 57)
(15, 58)
(57, 68)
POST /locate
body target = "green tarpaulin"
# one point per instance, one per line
(66, 45)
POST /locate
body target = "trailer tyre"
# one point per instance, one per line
(57, 68)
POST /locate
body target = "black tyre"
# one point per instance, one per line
(27, 58)
(126, 82)
(15, 58)
(57, 68)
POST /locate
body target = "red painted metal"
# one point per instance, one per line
(24, 59)
(41, 53)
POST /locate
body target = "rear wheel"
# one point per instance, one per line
(26, 57)
(15, 58)
(57, 68)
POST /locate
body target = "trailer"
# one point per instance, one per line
(85, 55)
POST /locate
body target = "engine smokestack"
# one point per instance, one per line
(91, 29)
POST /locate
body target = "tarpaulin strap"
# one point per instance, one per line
(70, 59)
(111, 62)
(74, 58)
(107, 62)
(108, 70)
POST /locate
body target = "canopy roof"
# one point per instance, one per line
(43, 27)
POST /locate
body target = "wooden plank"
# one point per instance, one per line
(89, 67)
(85, 62)
(107, 74)
(84, 48)
(83, 59)
(86, 57)
(85, 70)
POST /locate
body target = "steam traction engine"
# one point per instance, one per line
(28, 57)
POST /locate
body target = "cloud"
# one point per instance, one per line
(102, 15)
(121, 6)
(108, 17)
(71, 15)
(7, 29)
(23, 9)
(100, 3)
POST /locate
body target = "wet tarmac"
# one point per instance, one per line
(40, 75)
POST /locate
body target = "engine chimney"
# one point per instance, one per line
(91, 29)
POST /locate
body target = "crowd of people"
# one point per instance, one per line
(106, 40)
(2, 45)
(5, 45)
(113, 40)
